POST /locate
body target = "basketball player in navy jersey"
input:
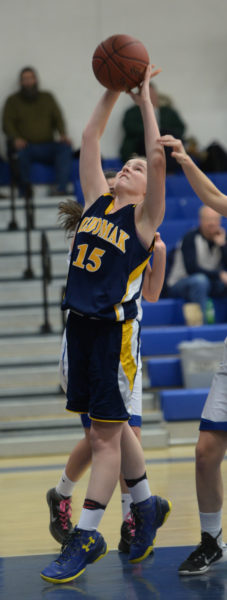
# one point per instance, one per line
(59, 498)
(212, 444)
(112, 247)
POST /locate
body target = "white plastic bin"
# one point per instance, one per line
(199, 361)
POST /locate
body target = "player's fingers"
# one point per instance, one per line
(167, 138)
(154, 73)
(147, 74)
(178, 155)
(176, 144)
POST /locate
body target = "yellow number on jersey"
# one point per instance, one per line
(92, 262)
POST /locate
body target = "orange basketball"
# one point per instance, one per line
(119, 63)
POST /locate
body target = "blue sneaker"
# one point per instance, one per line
(149, 515)
(83, 547)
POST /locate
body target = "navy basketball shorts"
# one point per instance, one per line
(102, 365)
(135, 408)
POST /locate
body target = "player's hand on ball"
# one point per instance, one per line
(179, 152)
(143, 92)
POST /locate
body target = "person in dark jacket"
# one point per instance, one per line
(199, 265)
(31, 120)
(169, 122)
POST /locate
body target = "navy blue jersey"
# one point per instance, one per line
(107, 263)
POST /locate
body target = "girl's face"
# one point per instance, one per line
(133, 177)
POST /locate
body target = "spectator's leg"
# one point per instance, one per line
(24, 158)
(198, 290)
(43, 153)
(179, 289)
(57, 154)
(63, 163)
(194, 288)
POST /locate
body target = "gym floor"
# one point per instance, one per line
(27, 546)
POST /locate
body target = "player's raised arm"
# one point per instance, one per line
(151, 213)
(92, 179)
(201, 184)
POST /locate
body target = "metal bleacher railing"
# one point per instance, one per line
(46, 280)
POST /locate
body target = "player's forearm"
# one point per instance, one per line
(152, 290)
(204, 188)
(154, 203)
(151, 129)
(154, 278)
(97, 123)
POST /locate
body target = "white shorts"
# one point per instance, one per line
(135, 407)
(214, 415)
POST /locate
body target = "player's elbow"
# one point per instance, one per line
(87, 135)
(151, 292)
(150, 296)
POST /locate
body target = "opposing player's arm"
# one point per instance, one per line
(201, 184)
(93, 181)
(154, 277)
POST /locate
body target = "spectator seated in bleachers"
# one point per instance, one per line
(197, 268)
(168, 119)
(212, 159)
(31, 119)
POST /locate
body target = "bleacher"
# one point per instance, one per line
(45, 174)
(163, 325)
(163, 329)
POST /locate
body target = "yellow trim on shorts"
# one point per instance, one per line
(100, 420)
(109, 420)
(79, 412)
(127, 359)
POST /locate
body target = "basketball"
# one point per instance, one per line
(119, 63)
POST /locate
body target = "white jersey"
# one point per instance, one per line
(214, 415)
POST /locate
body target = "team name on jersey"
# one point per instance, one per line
(105, 230)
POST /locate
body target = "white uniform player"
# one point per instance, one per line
(212, 444)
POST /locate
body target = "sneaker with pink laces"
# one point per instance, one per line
(127, 533)
(60, 512)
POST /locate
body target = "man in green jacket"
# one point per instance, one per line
(31, 119)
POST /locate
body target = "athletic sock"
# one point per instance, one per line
(139, 488)
(211, 523)
(65, 486)
(91, 514)
(126, 500)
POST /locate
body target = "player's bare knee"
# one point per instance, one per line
(208, 457)
(104, 436)
(203, 453)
